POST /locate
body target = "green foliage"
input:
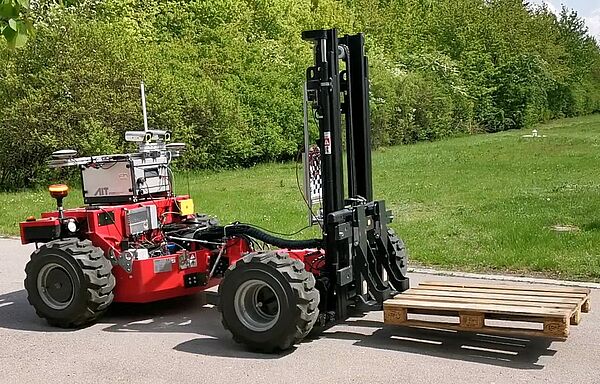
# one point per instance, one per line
(425, 103)
(225, 76)
(15, 26)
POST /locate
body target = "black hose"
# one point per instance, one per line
(247, 230)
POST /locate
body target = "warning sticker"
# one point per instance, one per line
(327, 142)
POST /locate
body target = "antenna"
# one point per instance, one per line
(143, 91)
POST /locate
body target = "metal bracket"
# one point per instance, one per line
(125, 260)
(343, 231)
(345, 276)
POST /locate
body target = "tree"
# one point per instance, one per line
(15, 25)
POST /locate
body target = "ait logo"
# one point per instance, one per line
(102, 191)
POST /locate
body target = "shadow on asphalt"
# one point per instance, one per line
(16, 313)
(189, 315)
(513, 352)
(182, 315)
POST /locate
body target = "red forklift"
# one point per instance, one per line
(134, 241)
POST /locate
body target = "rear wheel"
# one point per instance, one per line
(268, 301)
(69, 282)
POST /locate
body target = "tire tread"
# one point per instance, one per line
(302, 283)
(98, 280)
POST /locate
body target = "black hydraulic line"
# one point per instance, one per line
(250, 231)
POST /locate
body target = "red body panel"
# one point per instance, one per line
(313, 259)
(147, 282)
(51, 222)
(44, 222)
(110, 235)
(144, 284)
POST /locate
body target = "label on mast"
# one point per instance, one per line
(327, 142)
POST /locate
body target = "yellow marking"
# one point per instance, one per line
(186, 207)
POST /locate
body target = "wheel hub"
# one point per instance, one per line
(256, 305)
(55, 286)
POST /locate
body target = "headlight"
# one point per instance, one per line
(72, 226)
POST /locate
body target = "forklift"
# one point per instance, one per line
(135, 241)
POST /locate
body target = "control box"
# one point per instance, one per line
(121, 179)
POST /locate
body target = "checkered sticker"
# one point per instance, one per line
(314, 172)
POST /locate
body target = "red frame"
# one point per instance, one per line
(143, 284)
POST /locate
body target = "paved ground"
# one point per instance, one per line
(181, 341)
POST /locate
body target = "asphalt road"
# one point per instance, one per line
(181, 341)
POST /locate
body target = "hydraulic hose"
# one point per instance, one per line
(250, 231)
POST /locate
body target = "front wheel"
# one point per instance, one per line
(268, 301)
(69, 282)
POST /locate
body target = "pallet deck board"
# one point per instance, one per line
(554, 308)
(515, 302)
(520, 287)
(479, 307)
(522, 292)
(490, 296)
(501, 331)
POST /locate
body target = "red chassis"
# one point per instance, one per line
(153, 278)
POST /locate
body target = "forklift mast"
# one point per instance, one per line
(357, 242)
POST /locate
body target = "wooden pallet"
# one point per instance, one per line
(474, 304)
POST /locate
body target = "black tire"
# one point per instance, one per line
(283, 279)
(399, 253)
(75, 281)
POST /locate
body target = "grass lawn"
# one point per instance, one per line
(485, 202)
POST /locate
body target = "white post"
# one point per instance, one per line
(143, 91)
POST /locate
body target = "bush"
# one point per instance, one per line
(75, 87)
(425, 102)
(226, 76)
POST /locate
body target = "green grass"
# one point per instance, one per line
(484, 202)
